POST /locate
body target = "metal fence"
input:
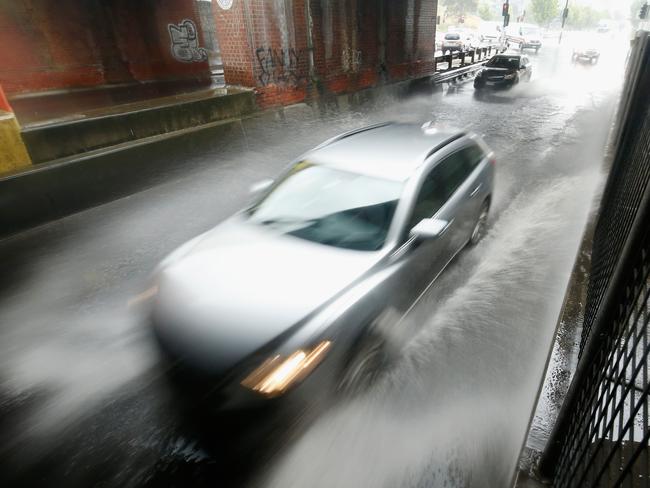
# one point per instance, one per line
(602, 434)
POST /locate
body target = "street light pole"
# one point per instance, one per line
(565, 14)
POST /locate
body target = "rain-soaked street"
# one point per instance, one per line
(82, 402)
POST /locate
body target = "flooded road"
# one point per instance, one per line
(81, 399)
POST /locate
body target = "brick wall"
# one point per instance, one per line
(288, 50)
(355, 44)
(70, 43)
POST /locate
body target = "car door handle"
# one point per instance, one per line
(475, 190)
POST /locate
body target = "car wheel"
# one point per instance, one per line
(480, 227)
(365, 365)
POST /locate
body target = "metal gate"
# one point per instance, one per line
(602, 434)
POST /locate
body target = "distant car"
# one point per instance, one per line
(453, 42)
(302, 289)
(588, 53)
(469, 37)
(504, 70)
(525, 36)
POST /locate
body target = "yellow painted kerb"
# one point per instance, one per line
(13, 153)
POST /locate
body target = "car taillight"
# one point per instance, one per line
(493, 161)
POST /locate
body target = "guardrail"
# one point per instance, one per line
(477, 57)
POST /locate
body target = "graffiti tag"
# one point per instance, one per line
(350, 59)
(280, 65)
(185, 42)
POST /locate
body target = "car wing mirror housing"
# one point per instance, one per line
(260, 186)
(430, 228)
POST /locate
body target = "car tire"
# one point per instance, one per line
(480, 227)
(364, 366)
(370, 357)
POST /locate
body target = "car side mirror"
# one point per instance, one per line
(430, 228)
(260, 186)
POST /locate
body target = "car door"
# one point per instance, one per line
(462, 186)
(451, 190)
(423, 259)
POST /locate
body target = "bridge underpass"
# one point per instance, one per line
(82, 401)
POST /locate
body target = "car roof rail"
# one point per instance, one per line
(444, 143)
(351, 133)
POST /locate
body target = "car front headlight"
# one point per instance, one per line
(510, 76)
(275, 375)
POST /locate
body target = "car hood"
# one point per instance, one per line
(497, 71)
(241, 286)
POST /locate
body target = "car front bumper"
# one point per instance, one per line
(480, 82)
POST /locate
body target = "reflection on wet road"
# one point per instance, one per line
(81, 399)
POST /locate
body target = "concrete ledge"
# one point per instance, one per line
(47, 142)
(13, 155)
(54, 190)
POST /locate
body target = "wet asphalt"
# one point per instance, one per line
(81, 398)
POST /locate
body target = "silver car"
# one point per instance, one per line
(308, 284)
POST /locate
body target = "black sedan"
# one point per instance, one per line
(504, 70)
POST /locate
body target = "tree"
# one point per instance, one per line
(544, 11)
(461, 6)
(635, 9)
(486, 12)
(584, 17)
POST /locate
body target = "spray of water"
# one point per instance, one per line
(454, 410)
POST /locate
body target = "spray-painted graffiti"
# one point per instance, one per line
(350, 59)
(280, 65)
(185, 42)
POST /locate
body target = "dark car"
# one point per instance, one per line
(504, 70)
(299, 284)
(586, 53)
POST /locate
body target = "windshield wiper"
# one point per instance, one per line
(287, 221)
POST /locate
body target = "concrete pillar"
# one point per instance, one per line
(13, 153)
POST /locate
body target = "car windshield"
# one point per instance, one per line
(452, 37)
(503, 62)
(330, 206)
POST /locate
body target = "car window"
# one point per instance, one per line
(509, 62)
(330, 206)
(473, 155)
(452, 37)
(438, 186)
